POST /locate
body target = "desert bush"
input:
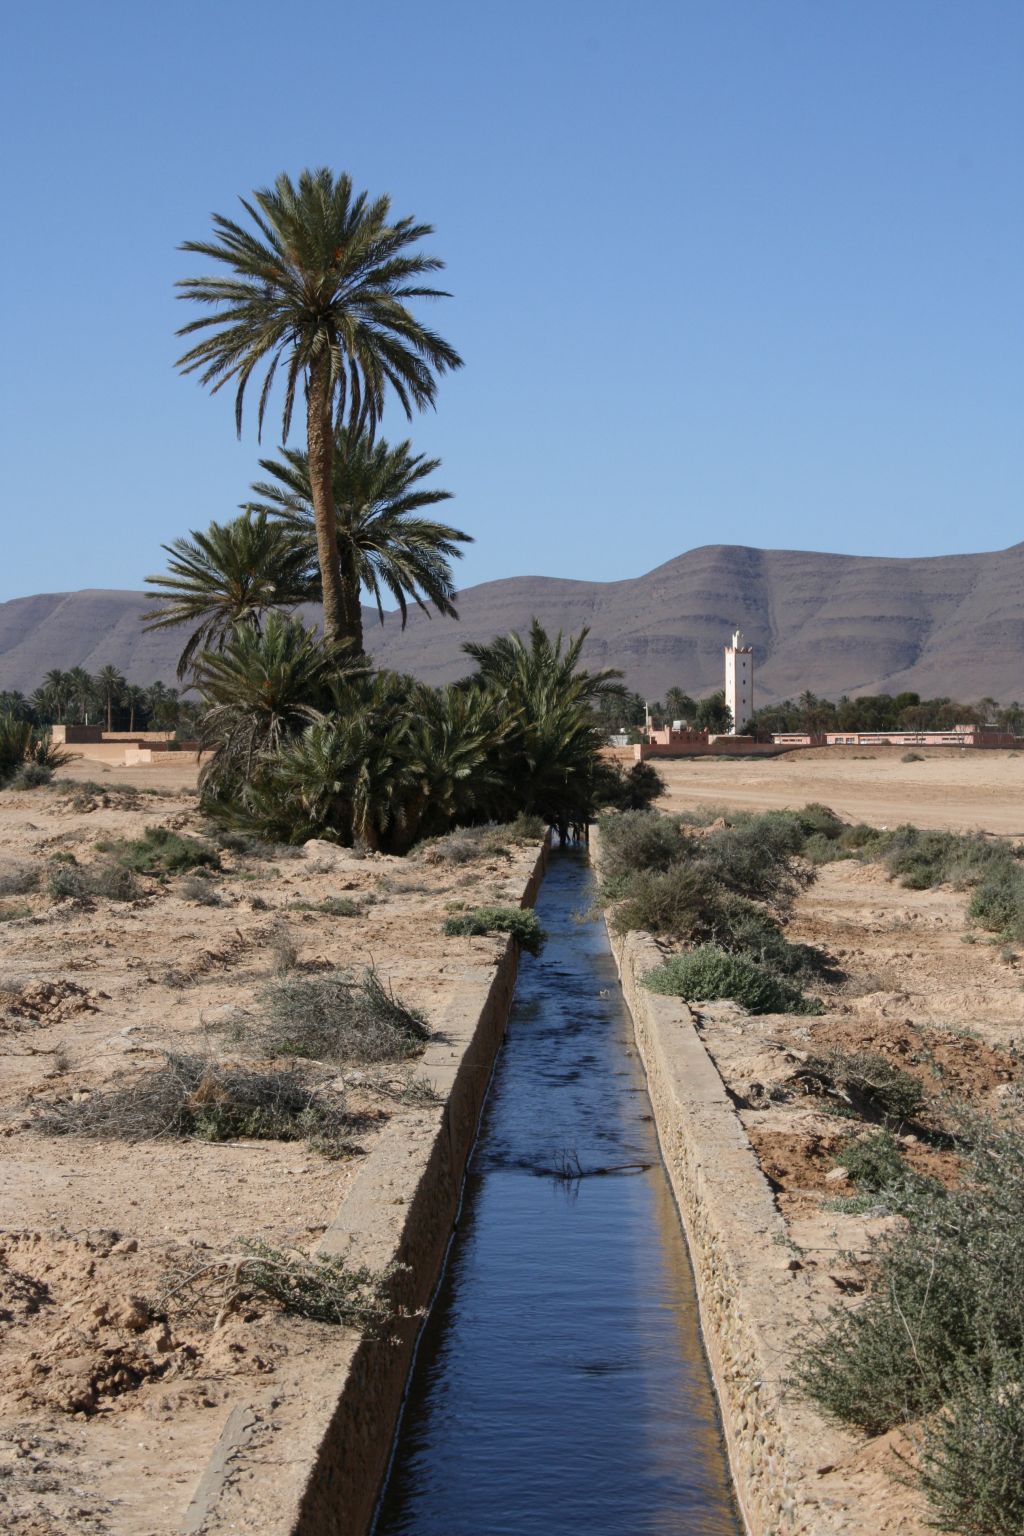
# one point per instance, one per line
(709, 972)
(997, 904)
(332, 906)
(680, 902)
(283, 949)
(18, 879)
(746, 928)
(754, 856)
(874, 1162)
(635, 842)
(520, 922)
(333, 1018)
(867, 1082)
(912, 757)
(526, 828)
(972, 1460)
(162, 852)
(32, 776)
(192, 1095)
(464, 844)
(112, 881)
(203, 892)
(10, 911)
(923, 859)
(940, 1332)
(324, 1290)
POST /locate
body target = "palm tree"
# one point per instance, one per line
(133, 699)
(262, 687)
(162, 705)
(232, 574)
(383, 544)
(110, 686)
(57, 689)
(319, 285)
(81, 692)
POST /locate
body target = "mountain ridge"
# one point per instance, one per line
(949, 624)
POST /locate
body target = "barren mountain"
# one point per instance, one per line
(832, 623)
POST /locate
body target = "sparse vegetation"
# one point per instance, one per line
(912, 757)
(874, 1162)
(521, 922)
(160, 851)
(709, 972)
(115, 882)
(939, 1334)
(866, 1083)
(192, 1095)
(26, 752)
(330, 906)
(333, 1018)
(324, 1290)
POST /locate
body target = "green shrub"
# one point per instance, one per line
(465, 844)
(754, 857)
(681, 902)
(997, 904)
(874, 1162)
(635, 842)
(31, 776)
(710, 972)
(628, 789)
(940, 1332)
(520, 922)
(868, 1082)
(162, 852)
(332, 1018)
(331, 906)
(972, 1464)
(527, 829)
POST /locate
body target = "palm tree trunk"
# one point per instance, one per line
(320, 448)
(110, 712)
(351, 608)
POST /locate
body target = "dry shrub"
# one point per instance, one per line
(191, 1095)
(333, 1018)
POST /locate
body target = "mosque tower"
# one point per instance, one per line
(739, 681)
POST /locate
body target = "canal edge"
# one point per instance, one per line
(750, 1289)
(329, 1485)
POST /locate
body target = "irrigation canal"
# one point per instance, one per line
(560, 1385)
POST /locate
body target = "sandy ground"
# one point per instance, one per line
(958, 790)
(911, 980)
(110, 1398)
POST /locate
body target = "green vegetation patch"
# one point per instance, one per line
(520, 922)
(162, 852)
(938, 1337)
(709, 973)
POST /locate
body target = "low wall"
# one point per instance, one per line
(309, 1457)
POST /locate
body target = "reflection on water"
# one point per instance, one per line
(560, 1385)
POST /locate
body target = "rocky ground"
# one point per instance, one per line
(115, 1377)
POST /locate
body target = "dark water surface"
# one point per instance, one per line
(560, 1385)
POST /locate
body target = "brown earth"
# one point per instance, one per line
(957, 789)
(112, 1391)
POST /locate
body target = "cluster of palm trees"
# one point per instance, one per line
(313, 292)
(106, 697)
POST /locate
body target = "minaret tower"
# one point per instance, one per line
(739, 681)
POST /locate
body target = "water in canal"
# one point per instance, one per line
(560, 1387)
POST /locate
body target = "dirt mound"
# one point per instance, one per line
(45, 1002)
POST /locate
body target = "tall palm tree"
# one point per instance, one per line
(82, 692)
(383, 542)
(134, 698)
(57, 689)
(110, 686)
(232, 574)
(319, 285)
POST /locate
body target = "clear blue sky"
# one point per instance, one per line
(737, 271)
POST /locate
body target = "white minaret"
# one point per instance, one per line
(739, 681)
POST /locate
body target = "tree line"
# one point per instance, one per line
(105, 698)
